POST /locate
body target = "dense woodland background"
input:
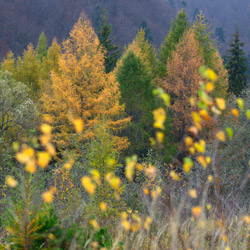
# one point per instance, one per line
(22, 21)
(126, 127)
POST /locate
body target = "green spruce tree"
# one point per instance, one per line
(236, 65)
(112, 52)
(42, 46)
(136, 93)
(177, 29)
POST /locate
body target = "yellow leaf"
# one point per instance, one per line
(188, 141)
(235, 112)
(210, 74)
(197, 210)
(46, 129)
(221, 103)
(204, 114)
(160, 137)
(88, 184)
(146, 191)
(94, 224)
(221, 136)
(96, 176)
(48, 196)
(103, 206)
(43, 159)
(31, 166)
(209, 87)
(126, 225)
(202, 161)
(115, 182)
(159, 118)
(25, 155)
(192, 150)
(215, 110)
(208, 160)
(174, 176)
(78, 125)
(11, 182)
(155, 193)
(50, 149)
(210, 178)
(147, 223)
(150, 171)
(192, 193)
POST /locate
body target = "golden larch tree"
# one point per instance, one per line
(82, 89)
(183, 81)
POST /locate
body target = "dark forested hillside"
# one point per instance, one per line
(22, 21)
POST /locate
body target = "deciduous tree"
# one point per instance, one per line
(81, 87)
(183, 80)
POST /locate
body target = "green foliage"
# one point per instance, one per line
(178, 27)
(136, 93)
(17, 113)
(42, 46)
(111, 51)
(203, 33)
(148, 34)
(103, 157)
(9, 63)
(50, 63)
(28, 69)
(236, 65)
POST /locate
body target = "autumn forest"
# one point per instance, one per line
(141, 145)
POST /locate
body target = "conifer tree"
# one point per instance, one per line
(50, 63)
(28, 69)
(9, 63)
(236, 65)
(183, 80)
(148, 34)
(141, 48)
(210, 53)
(42, 46)
(136, 93)
(111, 51)
(81, 87)
(178, 27)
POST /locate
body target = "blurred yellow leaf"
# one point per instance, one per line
(210, 74)
(46, 129)
(174, 176)
(11, 182)
(202, 161)
(192, 193)
(196, 211)
(159, 118)
(103, 206)
(188, 141)
(88, 184)
(78, 125)
(221, 136)
(209, 87)
(159, 137)
(235, 112)
(43, 159)
(220, 103)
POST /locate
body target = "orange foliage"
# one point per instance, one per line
(183, 81)
(81, 88)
